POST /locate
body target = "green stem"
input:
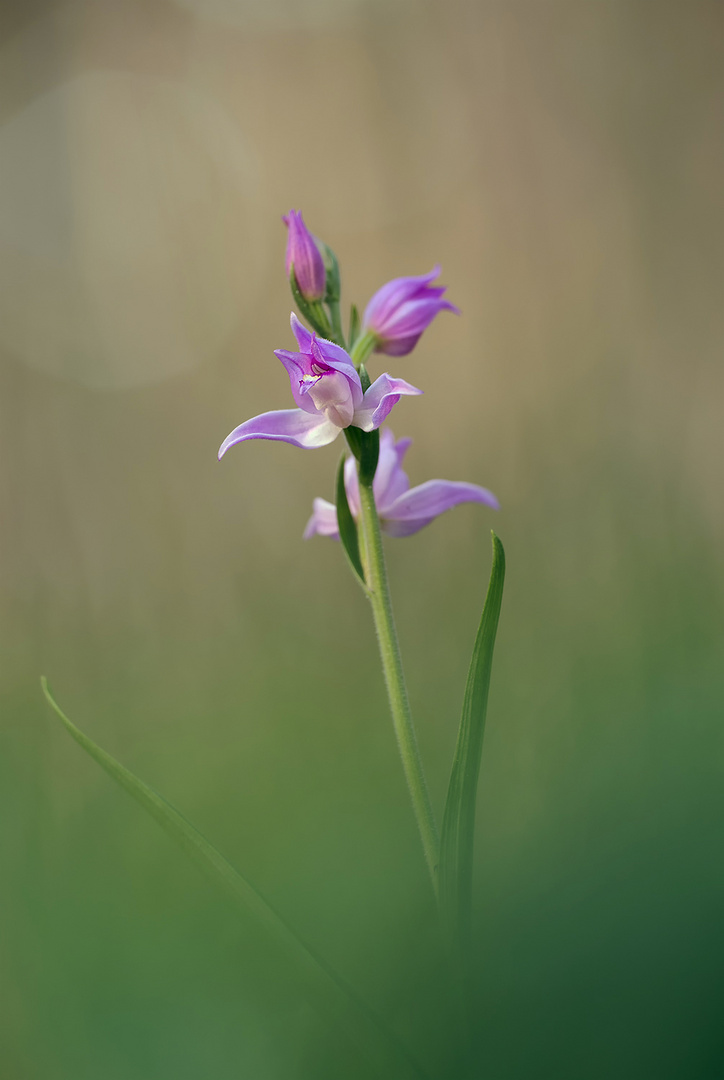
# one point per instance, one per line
(336, 322)
(379, 595)
(363, 348)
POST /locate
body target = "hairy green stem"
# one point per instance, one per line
(379, 595)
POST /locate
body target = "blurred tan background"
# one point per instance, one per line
(564, 163)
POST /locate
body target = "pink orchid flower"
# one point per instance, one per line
(327, 389)
(403, 510)
(402, 309)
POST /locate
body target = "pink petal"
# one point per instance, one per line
(351, 485)
(386, 300)
(297, 365)
(285, 425)
(379, 400)
(333, 355)
(323, 521)
(390, 479)
(303, 336)
(418, 507)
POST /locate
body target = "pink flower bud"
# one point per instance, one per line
(402, 309)
(305, 257)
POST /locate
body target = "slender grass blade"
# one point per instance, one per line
(329, 990)
(458, 826)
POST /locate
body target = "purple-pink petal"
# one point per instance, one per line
(391, 480)
(285, 425)
(351, 485)
(386, 300)
(333, 355)
(402, 309)
(417, 507)
(322, 376)
(296, 365)
(303, 336)
(379, 400)
(301, 370)
(323, 521)
(403, 511)
(398, 346)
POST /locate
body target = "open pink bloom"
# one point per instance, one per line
(399, 312)
(403, 510)
(327, 389)
(305, 256)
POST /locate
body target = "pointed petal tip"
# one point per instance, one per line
(417, 507)
(224, 447)
(295, 426)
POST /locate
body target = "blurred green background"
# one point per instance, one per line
(564, 163)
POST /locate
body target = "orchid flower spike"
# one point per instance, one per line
(399, 312)
(327, 389)
(305, 257)
(403, 510)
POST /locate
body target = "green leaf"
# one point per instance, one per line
(348, 526)
(331, 267)
(365, 445)
(364, 377)
(354, 325)
(330, 991)
(458, 826)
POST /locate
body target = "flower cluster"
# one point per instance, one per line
(333, 393)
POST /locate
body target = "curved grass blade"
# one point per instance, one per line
(458, 826)
(330, 991)
(348, 526)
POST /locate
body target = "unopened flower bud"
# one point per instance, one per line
(305, 258)
(402, 309)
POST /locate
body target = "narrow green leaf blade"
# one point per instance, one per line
(331, 266)
(458, 826)
(331, 992)
(348, 526)
(354, 325)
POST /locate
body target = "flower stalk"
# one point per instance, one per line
(363, 348)
(379, 597)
